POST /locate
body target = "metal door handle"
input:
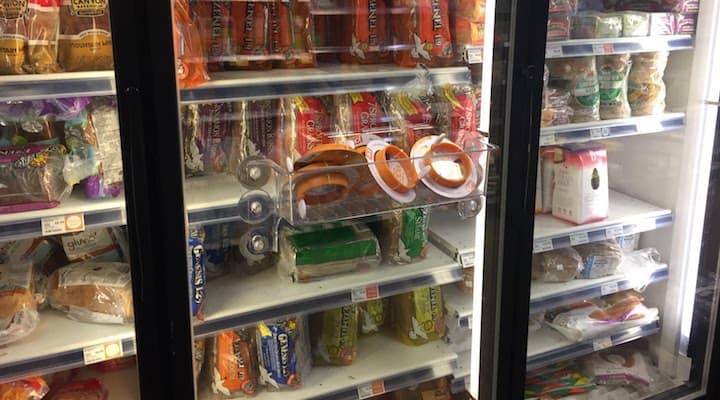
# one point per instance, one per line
(712, 103)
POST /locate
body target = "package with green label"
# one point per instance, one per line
(579, 76)
(334, 334)
(613, 71)
(373, 315)
(312, 252)
(403, 235)
(418, 316)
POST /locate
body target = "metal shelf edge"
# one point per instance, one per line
(587, 347)
(600, 233)
(338, 299)
(32, 227)
(60, 85)
(607, 129)
(54, 362)
(600, 46)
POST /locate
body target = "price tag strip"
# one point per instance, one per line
(540, 245)
(102, 352)
(364, 293)
(467, 260)
(547, 139)
(579, 238)
(371, 389)
(602, 343)
(63, 224)
(474, 55)
(553, 51)
(609, 288)
(599, 132)
(614, 231)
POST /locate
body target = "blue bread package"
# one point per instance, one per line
(283, 353)
(196, 271)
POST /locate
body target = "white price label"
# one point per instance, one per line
(102, 352)
(645, 225)
(364, 293)
(541, 245)
(648, 126)
(123, 216)
(474, 55)
(553, 51)
(600, 344)
(467, 260)
(614, 231)
(63, 224)
(609, 288)
(579, 238)
(469, 319)
(371, 389)
(603, 48)
(599, 132)
(547, 140)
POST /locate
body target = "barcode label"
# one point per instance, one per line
(371, 389)
(541, 245)
(645, 225)
(467, 260)
(614, 231)
(609, 288)
(599, 132)
(579, 238)
(102, 352)
(63, 224)
(603, 48)
(547, 140)
(600, 344)
(364, 293)
(474, 55)
(553, 51)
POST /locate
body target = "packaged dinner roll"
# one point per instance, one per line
(85, 42)
(418, 316)
(334, 333)
(646, 88)
(93, 291)
(559, 265)
(600, 259)
(18, 309)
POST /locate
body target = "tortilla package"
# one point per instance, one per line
(85, 43)
(421, 30)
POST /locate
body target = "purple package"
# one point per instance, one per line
(683, 6)
(31, 178)
(662, 24)
(685, 23)
(558, 27)
(216, 131)
(109, 180)
(262, 127)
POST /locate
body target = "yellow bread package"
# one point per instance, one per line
(335, 332)
(373, 315)
(85, 43)
(93, 292)
(418, 316)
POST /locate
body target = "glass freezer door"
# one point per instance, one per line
(335, 167)
(65, 268)
(620, 296)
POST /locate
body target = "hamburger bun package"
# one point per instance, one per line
(93, 291)
(18, 309)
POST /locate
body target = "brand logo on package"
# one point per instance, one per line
(12, 9)
(88, 8)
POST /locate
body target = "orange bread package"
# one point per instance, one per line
(467, 18)
(24, 389)
(249, 35)
(421, 29)
(367, 32)
(85, 43)
(89, 389)
(189, 55)
(290, 34)
(212, 19)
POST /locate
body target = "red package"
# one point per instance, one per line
(457, 114)
(189, 54)
(422, 30)
(468, 24)
(24, 389)
(558, 27)
(360, 115)
(249, 35)
(13, 36)
(89, 389)
(367, 33)
(306, 124)
(213, 22)
(290, 30)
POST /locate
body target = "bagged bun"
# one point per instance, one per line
(93, 292)
(18, 309)
(560, 265)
